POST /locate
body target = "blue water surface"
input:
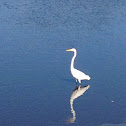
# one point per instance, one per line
(35, 80)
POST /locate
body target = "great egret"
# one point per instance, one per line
(78, 75)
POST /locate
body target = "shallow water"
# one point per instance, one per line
(35, 79)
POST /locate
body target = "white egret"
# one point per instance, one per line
(78, 75)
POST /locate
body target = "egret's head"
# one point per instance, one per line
(73, 50)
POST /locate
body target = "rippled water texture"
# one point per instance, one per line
(36, 86)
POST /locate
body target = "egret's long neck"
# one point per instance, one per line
(72, 61)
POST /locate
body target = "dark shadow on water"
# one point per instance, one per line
(77, 92)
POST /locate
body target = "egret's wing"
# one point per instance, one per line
(79, 75)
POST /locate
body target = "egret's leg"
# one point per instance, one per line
(79, 81)
(76, 82)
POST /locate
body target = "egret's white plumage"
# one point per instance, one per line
(78, 75)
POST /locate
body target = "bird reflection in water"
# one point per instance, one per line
(77, 92)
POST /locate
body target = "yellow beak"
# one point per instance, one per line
(68, 50)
